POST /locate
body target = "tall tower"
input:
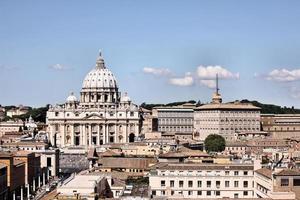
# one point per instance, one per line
(216, 96)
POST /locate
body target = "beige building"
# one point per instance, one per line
(89, 187)
(10, 126)
(281, 125)
(147, 121)
(225, 119)
(206, 181)
(21, 110)
(278, 184)
(175, 119)
(101, 116)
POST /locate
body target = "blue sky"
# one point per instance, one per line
(160, 51)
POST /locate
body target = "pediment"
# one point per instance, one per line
(94, 116)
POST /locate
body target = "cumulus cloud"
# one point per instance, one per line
(209, 72)
(208, 83)
(203, 75)
(58, 67)
(187, 80)
(157, 71)
(284, 75)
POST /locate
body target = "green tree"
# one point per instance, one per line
(214, 143)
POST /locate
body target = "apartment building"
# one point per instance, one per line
(191, 180)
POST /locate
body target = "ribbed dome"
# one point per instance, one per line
(100, 77)
(71, 98)
(125, 98)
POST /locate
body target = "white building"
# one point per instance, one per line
(202, 181)
(88, 187)
(175, 119)
(226, 119)
(10, 126)
(101, 116)
(21, 110)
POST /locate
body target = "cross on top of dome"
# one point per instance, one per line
(100, 61)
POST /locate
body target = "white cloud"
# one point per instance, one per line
(187, 80)
(210, 72)
(58, 67)
(157, 71)
(208, 83)
(284, 75)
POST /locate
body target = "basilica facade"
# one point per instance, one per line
(101, 115)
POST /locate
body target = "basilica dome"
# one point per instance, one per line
(99, 77)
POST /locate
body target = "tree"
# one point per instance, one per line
(214, 143)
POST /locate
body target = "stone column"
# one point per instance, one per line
(47, 174)
(136, 131)
(127, 131)
(107, 133)
(98, 135)
(28, 191)
(90, 135)
(84, 135)
(22, 193)
(81, 134)
(72, 134)
(33, 185)
(44, 178)
(103, 134)
(116, 135)
(63, 135)
(14, 195)
(39, 181)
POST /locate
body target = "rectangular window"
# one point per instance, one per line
(236, 173)
(199, 183)
(245, 193)
(171, 183)
(190, 183)
(190, 193)
(49, 162)
(199, 193)
(208, 193)
(245, 173)
(218, 193)
(227, 173)
(284, 182)
(208, 184)
(162, 183)
(226, 183)
(180, 183)
(296, 182)
(245, 184)
(218, 183)
(236, 184)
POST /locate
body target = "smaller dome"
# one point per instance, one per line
(71, 98)
(125, 98)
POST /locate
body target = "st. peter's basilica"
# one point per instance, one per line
(102, 115)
